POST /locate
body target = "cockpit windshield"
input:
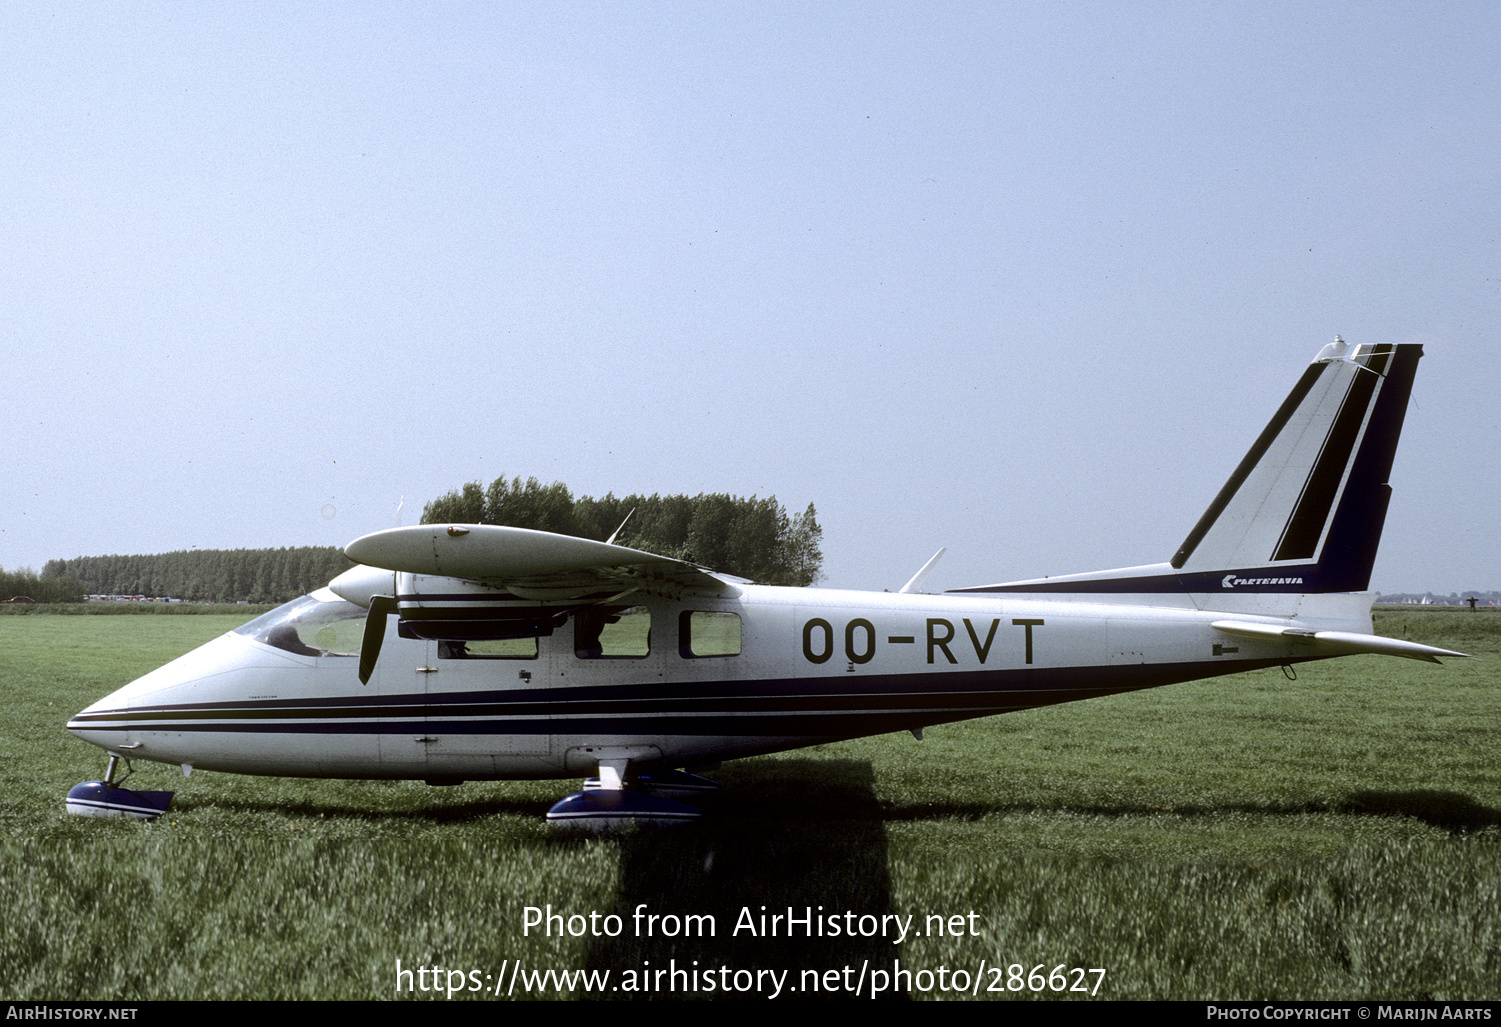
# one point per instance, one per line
(320, 624)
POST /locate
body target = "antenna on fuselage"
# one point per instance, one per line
(917, 578)
(611, 540)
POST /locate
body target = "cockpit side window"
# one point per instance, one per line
(320, 624)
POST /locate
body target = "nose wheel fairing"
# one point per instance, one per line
(107, 799)
(97, 799)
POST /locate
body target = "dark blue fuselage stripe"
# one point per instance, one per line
(974, 694)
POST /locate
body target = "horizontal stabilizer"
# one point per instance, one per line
(1336, 643)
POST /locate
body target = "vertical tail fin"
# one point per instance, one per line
(1309, 499)
(1304, 509)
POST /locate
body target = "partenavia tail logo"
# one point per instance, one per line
(1231, 581)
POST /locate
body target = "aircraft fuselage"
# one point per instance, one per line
(680, 683)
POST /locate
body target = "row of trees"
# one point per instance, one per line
(41, 589)
(754, 538)
(206, 575)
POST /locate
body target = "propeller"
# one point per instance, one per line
(381, 607)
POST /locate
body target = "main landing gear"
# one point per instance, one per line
(107, 799)
(612, 800)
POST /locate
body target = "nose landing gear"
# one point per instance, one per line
(107, 799)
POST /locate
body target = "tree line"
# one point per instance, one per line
(753, 538)
(40, 588)
(205, 575)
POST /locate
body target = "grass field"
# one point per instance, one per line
(1251, 837)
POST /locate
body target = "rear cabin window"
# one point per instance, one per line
(703, 633)
(612, 632)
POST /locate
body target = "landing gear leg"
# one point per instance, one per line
(107, 799)
(610, 804)
(675, 784)
(612, 774)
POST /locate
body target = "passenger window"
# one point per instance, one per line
(701, 633)
(489, 649)
(612, 632)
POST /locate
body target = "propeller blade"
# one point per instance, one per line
(375, 633)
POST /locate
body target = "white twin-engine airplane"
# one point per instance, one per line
(524, 654)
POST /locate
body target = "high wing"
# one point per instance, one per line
(528, 564)
(486, 581)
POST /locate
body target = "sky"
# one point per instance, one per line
(1023, 280)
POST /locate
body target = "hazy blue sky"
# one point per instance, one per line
(1021, 279)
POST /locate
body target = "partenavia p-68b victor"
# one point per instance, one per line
(472, 652)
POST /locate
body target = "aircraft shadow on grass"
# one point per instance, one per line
(1449, 811)
(797, 833)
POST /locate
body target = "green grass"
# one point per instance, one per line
(1250, 837)
(133, 609)
(1246, 838)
